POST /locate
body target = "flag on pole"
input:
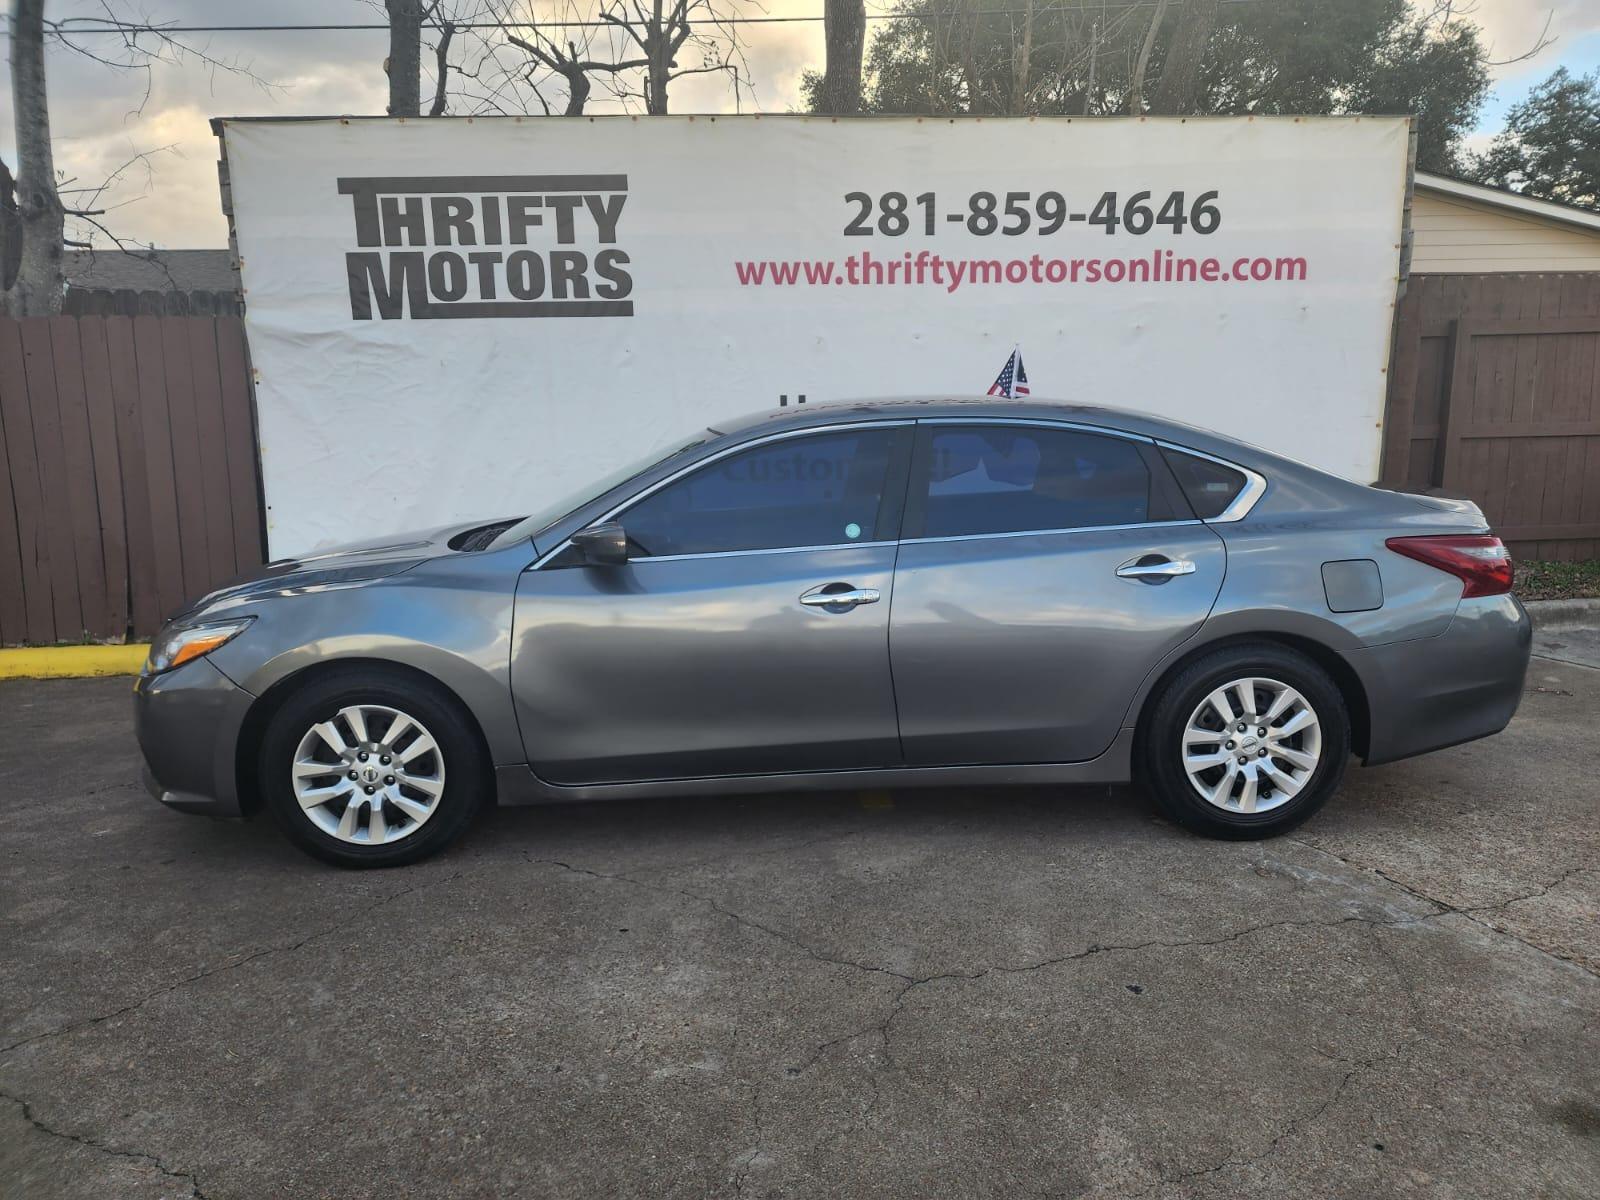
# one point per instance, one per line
(1013, 380)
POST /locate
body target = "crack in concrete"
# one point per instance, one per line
(738, 918)
(1470, 912)
(253, 956)
(1294, 1127)
(910, 983)
(757, 1119)
(188, 1177)
(1130, 947)
(1470, 909)
(1298, 1124)
(743, 854)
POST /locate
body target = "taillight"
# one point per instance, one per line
(1479, 560)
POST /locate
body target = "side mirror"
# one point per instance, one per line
(603, 545)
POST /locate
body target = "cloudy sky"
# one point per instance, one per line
(103, 117)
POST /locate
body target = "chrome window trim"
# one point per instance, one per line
(1045, 422)
(781, 435)
(1014, 533)
(1255, 484)
(650, 558)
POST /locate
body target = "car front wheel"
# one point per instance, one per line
(366, 767)
(1246, 742)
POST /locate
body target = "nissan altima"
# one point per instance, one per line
(875, 594)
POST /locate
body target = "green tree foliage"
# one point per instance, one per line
(1439, 75)
(1287, 56)
(964, 57)
(1550, 147)
(1358, 56)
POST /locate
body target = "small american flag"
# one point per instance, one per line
(1013, 380)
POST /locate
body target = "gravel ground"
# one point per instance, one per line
(976, 993)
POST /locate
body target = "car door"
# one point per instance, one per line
(746, 634)
(1043, 571)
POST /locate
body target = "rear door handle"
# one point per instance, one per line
(1152, 567)
(820, 597)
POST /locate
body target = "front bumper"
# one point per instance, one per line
(1465, 683)
(188, 722)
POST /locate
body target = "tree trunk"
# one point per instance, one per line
(844, 31)
(1180, 75)
(404, 64)
(10, 232)
(1022, 66)
(656, 95)
(577, 89)
(39, 223)
(1094, 65)
(657, 43)
(1136, 85)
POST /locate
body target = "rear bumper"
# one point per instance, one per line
(187, 722)
(1433, 692)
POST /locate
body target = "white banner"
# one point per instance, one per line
(454, 319)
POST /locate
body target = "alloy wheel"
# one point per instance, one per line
(1251, 745)
(369, 775)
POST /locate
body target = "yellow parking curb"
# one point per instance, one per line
(72, 662)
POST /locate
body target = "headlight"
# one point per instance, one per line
(177, 646)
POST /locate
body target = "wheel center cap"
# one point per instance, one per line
(370, 774)
(1249, 742)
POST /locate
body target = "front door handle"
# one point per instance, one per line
(1155, 568)
(845, 597)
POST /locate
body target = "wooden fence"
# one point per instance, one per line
(1495, 395)
(128, 472)
(129, 482)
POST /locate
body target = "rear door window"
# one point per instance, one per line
(984, 479)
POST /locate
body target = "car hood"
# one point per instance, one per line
(342, 566)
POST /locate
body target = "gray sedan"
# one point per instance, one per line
(876, 594)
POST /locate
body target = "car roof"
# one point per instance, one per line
(801, 416)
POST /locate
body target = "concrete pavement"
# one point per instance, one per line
(998, 993)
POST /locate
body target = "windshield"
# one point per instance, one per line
(555, 510)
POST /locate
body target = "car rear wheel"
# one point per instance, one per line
(1246, 742)
(368, 767)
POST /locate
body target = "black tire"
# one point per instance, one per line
(465, 777)
(1162, 743)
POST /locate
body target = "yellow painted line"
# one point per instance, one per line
(72, 662)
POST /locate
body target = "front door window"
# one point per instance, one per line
(825, 489)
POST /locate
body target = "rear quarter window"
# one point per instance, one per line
(1208, 486)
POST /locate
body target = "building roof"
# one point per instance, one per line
(153, 270)
(1515, 202)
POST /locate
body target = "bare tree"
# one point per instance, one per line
(34, 220)
(441, 58)
(38, 219)
(844, 28)
(558, 56)
(662, 30)
(1179, 84)
(572, 65)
